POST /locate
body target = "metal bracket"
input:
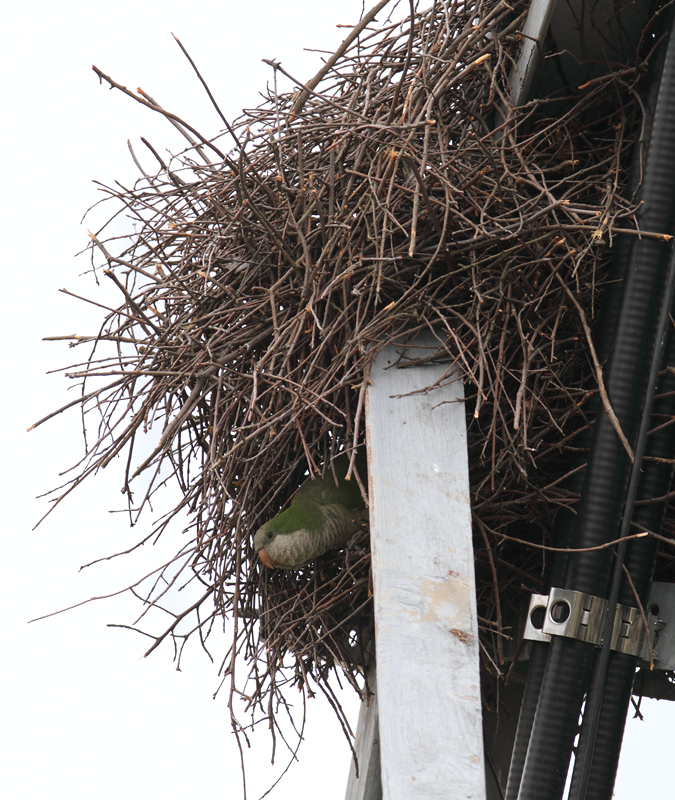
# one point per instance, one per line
(536, 614)
(581, 616)
(575, 615)
(629, 635)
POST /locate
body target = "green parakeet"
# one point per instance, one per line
(322, 515)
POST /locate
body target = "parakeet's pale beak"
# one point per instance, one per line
(264, 557)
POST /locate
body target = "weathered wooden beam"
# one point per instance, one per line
(368, 784)
(428, 686)
(534, 32)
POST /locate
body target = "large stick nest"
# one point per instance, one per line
(259, 283)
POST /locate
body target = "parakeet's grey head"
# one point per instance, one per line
(263, 539)
(284, 550)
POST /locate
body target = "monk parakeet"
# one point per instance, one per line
(322, 515)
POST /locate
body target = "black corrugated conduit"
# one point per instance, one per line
(640, 561)
(565, 519)
(569, 662)
(528, 708)
(596, 695)
(539, 650)
(603, 340)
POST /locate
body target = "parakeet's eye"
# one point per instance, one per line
(270, 535)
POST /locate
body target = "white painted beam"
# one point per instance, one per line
(368, 784)
(428, 686)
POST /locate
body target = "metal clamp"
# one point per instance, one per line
(628, 634)
(536, 614)
(575, 615)
(581, 616)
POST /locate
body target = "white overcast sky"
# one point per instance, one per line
(84, 715)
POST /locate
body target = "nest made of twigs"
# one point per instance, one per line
(261, 281)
